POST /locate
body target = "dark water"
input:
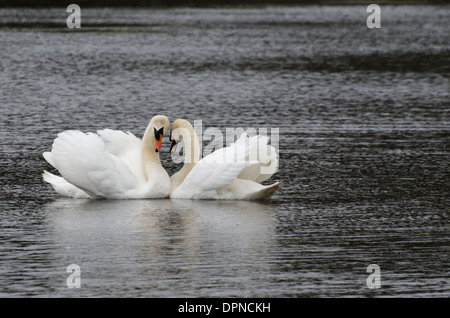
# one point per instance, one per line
(364, 149)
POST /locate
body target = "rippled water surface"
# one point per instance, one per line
(364, 125)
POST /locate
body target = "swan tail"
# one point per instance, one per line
(267, 192)
(64, 188)
(242, 189)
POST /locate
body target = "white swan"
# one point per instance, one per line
(110, 164)
(231, 173)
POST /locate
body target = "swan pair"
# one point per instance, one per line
(117, 165)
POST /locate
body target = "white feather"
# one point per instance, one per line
(64, 188)
(108, 164)
(82, 160)
(229, 173)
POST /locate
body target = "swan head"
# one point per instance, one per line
(179, 128)
(158, 125)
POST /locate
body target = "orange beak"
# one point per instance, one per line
(158, 143)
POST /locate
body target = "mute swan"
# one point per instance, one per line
(110, 164)
(231, 173)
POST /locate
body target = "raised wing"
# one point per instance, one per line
(118, 142)
(217, 170)
(84, 161)
(127, 147)
(266, 159)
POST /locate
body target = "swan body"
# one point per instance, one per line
(231, 173)
(109, 164)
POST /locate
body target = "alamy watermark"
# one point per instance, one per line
(374, 20)
(74, 19)
(374, 279)
(263, 149)
(74, 279)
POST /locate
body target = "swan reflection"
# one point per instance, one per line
(146, 241)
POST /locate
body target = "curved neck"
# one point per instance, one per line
(191, 154)
(148, 155)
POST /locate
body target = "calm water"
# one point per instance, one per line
(364, 149)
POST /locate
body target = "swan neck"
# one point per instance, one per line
(148, 155)
(191, 156)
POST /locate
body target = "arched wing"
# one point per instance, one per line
(218, 169)
(266, 159)
(84, 161)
